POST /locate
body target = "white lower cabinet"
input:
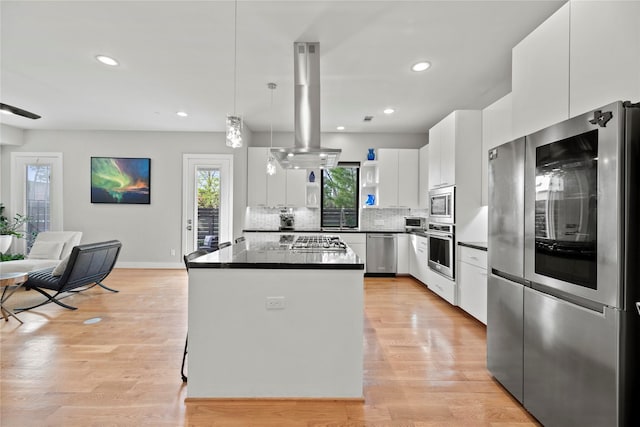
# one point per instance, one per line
(402, 257)
(443, 287)
(472, 282)
(418, 257)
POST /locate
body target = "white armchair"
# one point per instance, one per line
(49, 248)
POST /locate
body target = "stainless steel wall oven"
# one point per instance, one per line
(442, 249)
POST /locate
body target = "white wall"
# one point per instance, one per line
(9, 135)
(147, 232)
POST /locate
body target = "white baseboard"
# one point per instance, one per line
(159, 265)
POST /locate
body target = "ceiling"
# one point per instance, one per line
(179, 55)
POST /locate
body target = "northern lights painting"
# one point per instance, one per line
(120, 180)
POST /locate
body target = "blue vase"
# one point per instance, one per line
(312, 177)
(371, 200)
(371, 155)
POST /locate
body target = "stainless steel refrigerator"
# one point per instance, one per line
(562, 324)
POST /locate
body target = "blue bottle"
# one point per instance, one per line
(371, 200)
(312, 177)
(371, 155)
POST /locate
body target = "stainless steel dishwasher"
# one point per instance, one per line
(381, 254)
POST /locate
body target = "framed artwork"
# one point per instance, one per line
(121, 180)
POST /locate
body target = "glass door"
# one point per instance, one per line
(207, 201)
(36, 192)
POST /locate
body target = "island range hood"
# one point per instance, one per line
(306, 152)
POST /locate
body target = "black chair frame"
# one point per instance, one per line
(87, 267)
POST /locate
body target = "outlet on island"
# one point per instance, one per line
(275, 303)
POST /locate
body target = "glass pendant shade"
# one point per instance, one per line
(271, 166)
(234, 131)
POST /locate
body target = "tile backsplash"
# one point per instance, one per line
(392, 219)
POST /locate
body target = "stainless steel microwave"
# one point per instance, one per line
(415, 223)
(442, 205)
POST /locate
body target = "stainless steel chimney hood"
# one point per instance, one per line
(307, 152)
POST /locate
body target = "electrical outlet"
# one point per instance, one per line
(275, 303)
(173, 252)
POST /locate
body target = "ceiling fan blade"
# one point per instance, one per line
(18, 111)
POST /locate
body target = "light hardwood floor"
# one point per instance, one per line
(424, 364)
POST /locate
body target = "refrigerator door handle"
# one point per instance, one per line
(638, 307)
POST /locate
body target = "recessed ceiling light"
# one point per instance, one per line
(420, 66)
(182, 114)
(389, 111)
(107, 60)
(340, 128)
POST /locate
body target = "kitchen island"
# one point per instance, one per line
(267, 320)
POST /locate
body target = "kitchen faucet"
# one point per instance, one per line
(342, 219)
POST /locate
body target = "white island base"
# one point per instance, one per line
(240, 348)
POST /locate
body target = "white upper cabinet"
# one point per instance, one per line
(257, 176)
(423, 185)
(605, 54)
(496, 130)
(454, 149)
(408, 175)
(540, 75)
(296, 187)
(398, 177)
(285, 188)
(387, 177)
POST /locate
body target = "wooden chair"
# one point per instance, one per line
(188, 257)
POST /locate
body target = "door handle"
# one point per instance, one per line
(189, 227)
(638, 307)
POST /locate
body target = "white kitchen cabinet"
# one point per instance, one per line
(408, 167)
(472, 282)
(604, 54)
(496, 130)
(402, 249)
(452, 141)
(442, 153)
(256, 182)
(443, 287)
(398, 177)
(296, 187)
(285, 188)
(423, 174)
(388, 177)
(540, 74)
(418, 257)
(435, 147)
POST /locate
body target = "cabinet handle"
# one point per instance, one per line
(473, 257)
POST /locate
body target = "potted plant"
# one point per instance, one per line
(10, 227)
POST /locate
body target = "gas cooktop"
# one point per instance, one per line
(319, 243)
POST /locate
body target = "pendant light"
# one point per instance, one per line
(271, 162)
(234, 122)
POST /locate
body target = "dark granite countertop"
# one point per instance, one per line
(475, 245)
(273, 252)
(325, 231)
